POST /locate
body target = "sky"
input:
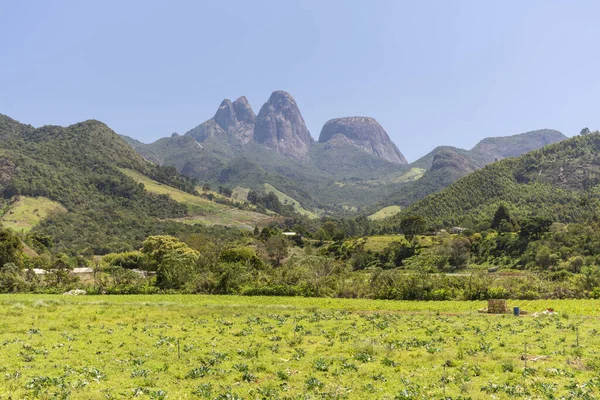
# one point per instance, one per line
(431, 72)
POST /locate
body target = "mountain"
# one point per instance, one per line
(559, 181)
(236, 119)
(492, 149)
(363, 132)
(280, 126)
(277, 145)
(446, 164)
(80, 178)
(354, 165)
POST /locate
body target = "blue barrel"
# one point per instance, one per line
(516, 311)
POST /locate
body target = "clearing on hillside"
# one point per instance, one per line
(285, 199)
(385, 212)
(201, 210)
(26, 212)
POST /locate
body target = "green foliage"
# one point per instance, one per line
(11, 248)
(412, 225)
(126, 260)
(558, 182)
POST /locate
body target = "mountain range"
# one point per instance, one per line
(354, 166)
(85, 189)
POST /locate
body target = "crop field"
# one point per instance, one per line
(228, 347)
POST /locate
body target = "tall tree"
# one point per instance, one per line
(11, 248)
(412, 225)
(500, 215)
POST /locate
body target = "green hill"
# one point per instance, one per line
(79, 169)
(559, 181)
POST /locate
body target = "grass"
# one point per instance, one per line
(26, 212)
(284, 198)
(385, 212)
(201, 210)
(196, 204)
(380, 242)
(228, 347)
(240, 193)
(229, 217)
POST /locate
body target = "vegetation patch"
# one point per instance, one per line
(228, 347)
(196, 204)
(285, 199)
(385, 212)
(26, 212)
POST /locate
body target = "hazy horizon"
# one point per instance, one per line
(432, 73)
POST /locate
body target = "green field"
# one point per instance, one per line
(285, 199)
(202, 210)
(27, 212)
(196, 204)
(379, 242)
(228, 347)
(385, 212)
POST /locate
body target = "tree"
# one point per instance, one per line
(173, 260)
(585, 131)
(533, 228)
(11, 248)
(501, 215)
(330, 227)
(459, 249)
(412, 225)
(277, 248)
(176, 268)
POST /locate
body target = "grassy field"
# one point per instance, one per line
(27, 212)
(380, 242)
(284, 198)
(227, 347)
(385, 212)
(196, 204)
(202, 210)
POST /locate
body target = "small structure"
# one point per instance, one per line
(289, 233)
(457, 230)
(497, 306)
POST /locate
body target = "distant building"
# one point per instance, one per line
(289, 233)
(457, 229)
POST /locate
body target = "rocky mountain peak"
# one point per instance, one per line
(280, 126)
(243, 111)
(225, 116)
(365, 133)
(237, 118)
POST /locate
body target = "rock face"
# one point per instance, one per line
(236, 118)
(280, 126)
(365, 133)
(497, 148)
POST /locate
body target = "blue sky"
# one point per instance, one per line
(431, 72)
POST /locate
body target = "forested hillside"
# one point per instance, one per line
(78, 167)
(560, 181)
